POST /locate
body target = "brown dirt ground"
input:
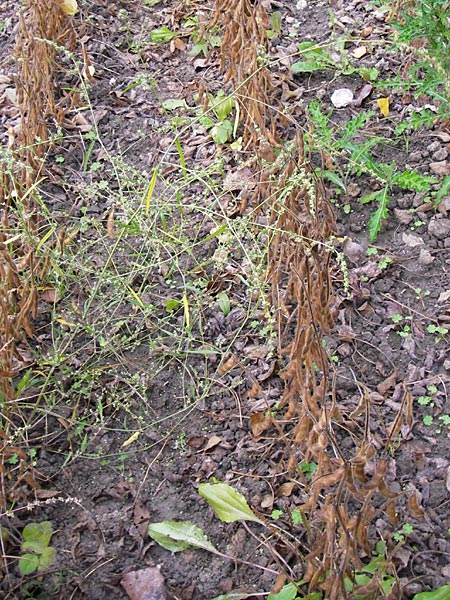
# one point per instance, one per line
(119, 490)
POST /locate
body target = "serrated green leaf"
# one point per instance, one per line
(41, 532)
(228, 504)
(443, 593)
(28, 563)
(412, 180)
(334, 178)
(379, 215)
(444, 189)
(179, 535)
(47, 558)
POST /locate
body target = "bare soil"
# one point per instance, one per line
(118, 490)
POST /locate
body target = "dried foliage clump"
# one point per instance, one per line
(244, 57)
(43, 28)
(342, 499)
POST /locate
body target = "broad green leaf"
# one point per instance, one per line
(179, 535)
(222, 132)
(222, 105)
(47, 558)
(174, 103)
(307, 66)
(275, 21)
(443, 593)
(228, 504)
(162, 34)
(233, 596)
(28, 563)
(41, 532)
(172, 305)
(33, 546)
(288, 592)
(224, 302)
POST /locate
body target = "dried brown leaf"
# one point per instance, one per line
(146, 584)
(259, 422)
(388, 383)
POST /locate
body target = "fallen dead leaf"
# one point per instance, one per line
(388, 383)
(359, 52)
(286, 489)
(146, 584)
(259, 422)
(228, 365)
(444, 297)
(411, 240)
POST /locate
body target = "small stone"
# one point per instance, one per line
(425, 257)
(342, 97)
(405, 201)
(353, 190)
(439, 227)
(418, 199)
(415, 157)
(441, 154)
(444, 205)
(441, 167)
(434, 147)
(403, 216)
(352, 250)
(411, 240)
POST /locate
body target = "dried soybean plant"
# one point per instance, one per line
(43, 26)
(340, 501)
(243, 60)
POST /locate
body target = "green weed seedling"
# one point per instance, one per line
(216, 120)
(438, 331)
(399, 536)
(39, 555)
(203, 41)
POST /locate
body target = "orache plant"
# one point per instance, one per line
(39, 555)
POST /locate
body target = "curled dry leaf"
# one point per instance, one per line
(388, 383)
(229, 364)
(259, 422)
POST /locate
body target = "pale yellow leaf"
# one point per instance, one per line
(383, 105)
(70, 7)
(131, 439)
